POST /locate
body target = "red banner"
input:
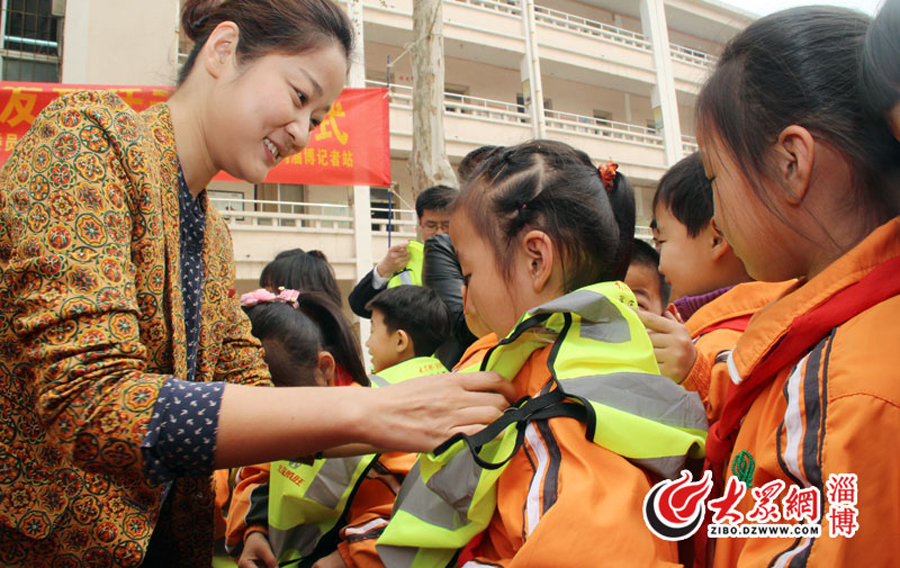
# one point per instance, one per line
(350, 147)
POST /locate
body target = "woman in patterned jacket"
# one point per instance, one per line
(126, 363)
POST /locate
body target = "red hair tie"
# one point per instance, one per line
(608, 175)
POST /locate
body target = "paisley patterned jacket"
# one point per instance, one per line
(91, 324)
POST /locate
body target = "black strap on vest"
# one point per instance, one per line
(549, 405)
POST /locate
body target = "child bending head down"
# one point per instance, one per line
(307, 340)
(543, 238)
(537, 221)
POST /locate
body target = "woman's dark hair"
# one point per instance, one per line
(799, 66)
(303, 271)
(881, 59)
(294, 337)
(267, 26)
(550, 186)
(687, 193)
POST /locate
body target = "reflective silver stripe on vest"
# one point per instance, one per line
(601, 319)
(649, 396)
(332, 480)
(421, 501)
(330, 483)
(405, 277)
(378, 381)
(646, 395)
(303, 539)
(396, 556)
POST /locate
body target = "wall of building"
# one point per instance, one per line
(120, 43)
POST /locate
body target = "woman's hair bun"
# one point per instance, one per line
(195, 17)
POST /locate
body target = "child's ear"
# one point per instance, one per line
(720, 246)
(539, 256)
(220, 48)
(326, 367)
(402, 341)
(793, 156)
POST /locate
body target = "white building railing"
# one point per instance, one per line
(590, 28)
(692, 56)
(689, 144)
(292, 216)
(501, 111)
(620, 131)
(593, 29)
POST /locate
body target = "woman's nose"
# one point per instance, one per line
(298, 130)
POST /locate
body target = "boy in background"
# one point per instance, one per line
(714, 296)
(645, 280)
(408, 324)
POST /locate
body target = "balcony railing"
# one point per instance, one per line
(500, 111)
(486, 109)
(692, 56)
(689, 144)
(621, 131)
(593, 29)
(321, 218)
(504, 7)
(590, 28)
(292, 216)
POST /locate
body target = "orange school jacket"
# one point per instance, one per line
(715, 329)
(368, 515)
(837, 411)
(565, 501)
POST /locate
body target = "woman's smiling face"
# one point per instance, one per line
(264, 111)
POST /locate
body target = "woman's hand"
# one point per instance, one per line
(259, 424)
(419, 414)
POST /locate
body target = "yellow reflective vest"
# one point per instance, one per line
(308, 500)
(412, 273)
(604, 373)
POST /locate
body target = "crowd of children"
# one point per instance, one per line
(751, 347)
(777, 244)
(772, 272)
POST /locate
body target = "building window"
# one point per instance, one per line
(455, 94)
(603, 117)
(30, 40)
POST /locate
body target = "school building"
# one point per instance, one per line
(615, 78)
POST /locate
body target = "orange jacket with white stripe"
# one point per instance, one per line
(837, 411)
(715, 329)
(565, 501)
(368, 514)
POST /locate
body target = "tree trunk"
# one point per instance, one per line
(428, 164)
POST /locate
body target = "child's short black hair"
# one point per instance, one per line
(418, 311)
(686, 192)
(644, 254)
(435, 198)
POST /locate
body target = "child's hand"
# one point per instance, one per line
(672, 345)
(396, 258)
(257, 552)
(333, 560)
